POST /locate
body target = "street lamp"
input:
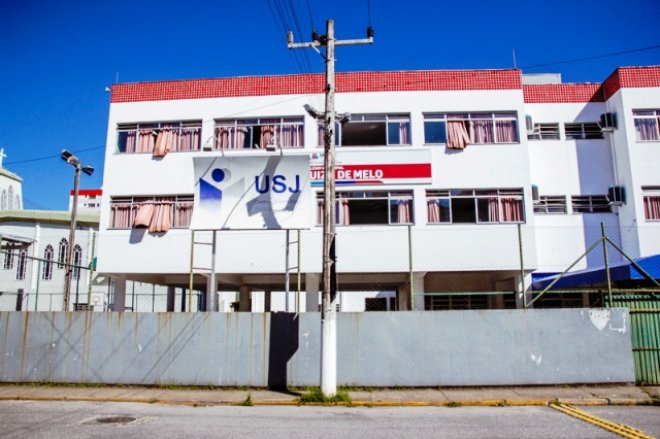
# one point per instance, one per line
(73, 161)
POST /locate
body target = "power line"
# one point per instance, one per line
(49, 157)
(588, 58)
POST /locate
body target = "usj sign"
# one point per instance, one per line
(272, 192)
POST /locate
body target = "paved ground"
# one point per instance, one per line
(610, 394)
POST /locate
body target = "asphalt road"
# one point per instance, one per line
(70, 420)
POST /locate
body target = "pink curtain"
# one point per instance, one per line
(146, 141)
(240, 136)
(189, 139)
(321, 131)
(144, 214)
(343, 213)
(652, 207)
(291, 136)
(457, 135)
(433, 207)
(493, 209)
(319, 212)
(404, 215)
(647, 129)
(130, 141)
(223, 138)
(505, 131)
(162, 217)
(404, 133)
(512, 210)
(267, 136)
(183, 214)
(120, 215)
(164, 142)
(482, 131)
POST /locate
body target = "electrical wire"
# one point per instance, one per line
(589, 58)
(49, 157)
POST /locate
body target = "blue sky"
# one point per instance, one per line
(58, 56)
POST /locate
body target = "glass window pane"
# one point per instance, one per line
(393, 137)
(435, 132)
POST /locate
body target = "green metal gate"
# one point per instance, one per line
(645, 328)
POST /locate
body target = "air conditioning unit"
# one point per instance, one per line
(535, 193)
(608, 122)
(529, 123)
(616, 195)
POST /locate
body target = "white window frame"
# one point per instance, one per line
(653, 115)
(179, 125)
(551, 205)
(592, 204)
(248, 124)
(136, 201)
(476, 195)
(588, 131)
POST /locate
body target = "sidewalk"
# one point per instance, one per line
(614, 394)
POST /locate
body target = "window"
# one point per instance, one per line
(651, 196)
(458, 130)
(284, 132)
(62, 253)
(10, 198)
(77, 260)
(590, 204)
(47, 272)
(647, 125)
(3, 202)
(22, 264)
(372, 207)
(372, 130)
(550, 204)
(471, 206)
(9, 260)
(544, 131)
(590, 130)
(159, 138)
(159, 214)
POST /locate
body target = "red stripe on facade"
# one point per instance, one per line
(314, 83)
(88, 192)
(562, 93)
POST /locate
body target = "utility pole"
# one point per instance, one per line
(329, 276)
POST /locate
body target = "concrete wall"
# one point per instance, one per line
(450, 348)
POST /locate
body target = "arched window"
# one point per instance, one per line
(17, 205)
(10, 199)
(9, 260)
(48, 263)
(3, 202)
(22, 263)
(77, 260)
(61, 253)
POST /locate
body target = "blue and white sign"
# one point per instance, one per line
(266, 192)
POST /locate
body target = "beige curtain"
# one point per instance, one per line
(433, 207)
(457, 135)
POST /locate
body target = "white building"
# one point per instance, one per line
(449, 183)
(11, 188)
(89, 200)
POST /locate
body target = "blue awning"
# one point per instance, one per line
(621, 271)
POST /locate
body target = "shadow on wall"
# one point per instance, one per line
(283, 344)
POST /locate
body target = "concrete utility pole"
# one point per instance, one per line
(329, 298)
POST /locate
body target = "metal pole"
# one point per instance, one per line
(190, 280)
(36, 294)
(522, 267)
(72, 239)
(91, 272)
(410, 268)
(607, 265)
(211, 294)
(286, 272)
(329, 299)
(298, 290)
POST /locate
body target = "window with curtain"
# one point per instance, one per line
(21, 265)
(647, 125)
(77, 260)
(156, 213)
(159, 138)
(475, 206)
(62, 253)
(458, 130)
(47, 271)
(370, 208)
(651, 196)
(260, 133)
(372, 130)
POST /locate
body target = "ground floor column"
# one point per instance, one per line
(118, 293)
(244, 299)
(418, 291)
(171, 293)
(312, 281)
